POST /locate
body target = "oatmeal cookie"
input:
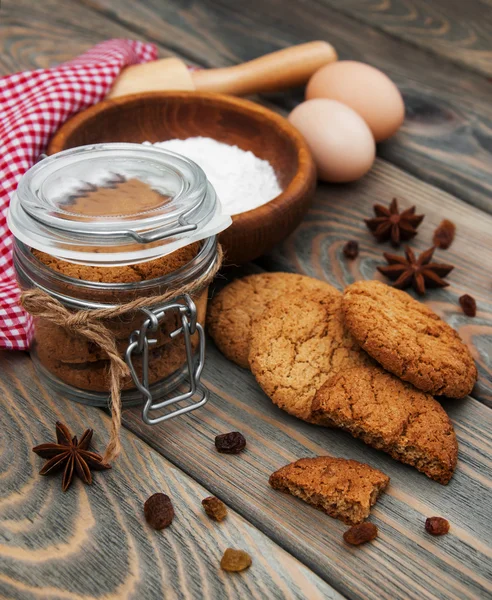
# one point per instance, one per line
(94, 376)
(65, 346)
(408, 339)
(144, 271)
(392, 416)
(297, 345)
(235, 309)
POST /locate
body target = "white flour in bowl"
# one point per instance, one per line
(242, 180)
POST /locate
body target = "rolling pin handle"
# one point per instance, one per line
(290, 67)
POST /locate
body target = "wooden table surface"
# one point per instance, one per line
(93, 542)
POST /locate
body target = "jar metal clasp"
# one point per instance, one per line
(139, 345)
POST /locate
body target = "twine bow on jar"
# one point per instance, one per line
(89, 324)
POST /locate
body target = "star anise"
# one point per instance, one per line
(389, 224)
(419, 272)
(71, 455)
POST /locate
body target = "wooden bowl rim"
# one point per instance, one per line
(296, 186)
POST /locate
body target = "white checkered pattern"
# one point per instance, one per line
(33, 105)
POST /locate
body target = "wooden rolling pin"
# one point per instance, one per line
(286, 68)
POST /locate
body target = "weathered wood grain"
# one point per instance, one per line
(404, 562)
(36, 35)
(337, 213)
(93, 542)
(455, 29)
(446, 138)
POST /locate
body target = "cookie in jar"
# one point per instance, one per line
(117, 242)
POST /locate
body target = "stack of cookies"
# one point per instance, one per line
(368, 360)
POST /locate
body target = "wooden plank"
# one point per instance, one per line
(39, 35)
(404, 562)
(446, 136)
(93, 541)
(460, 31)
(337, 213)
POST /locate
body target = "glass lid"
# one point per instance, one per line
(108, 204)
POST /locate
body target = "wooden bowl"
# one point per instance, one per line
(159, 116)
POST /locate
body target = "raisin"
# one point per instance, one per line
(468, 305)
(351, 249)
(361, 533)
(235, 560)
(436, 526)
(215, 508)
(230, 443)
(444, 234)
(159, 511)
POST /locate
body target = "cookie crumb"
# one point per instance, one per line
(444, 234)
(230, 443)
(436, 526)
(351, 249)
(235, 560)
(468, 305)
(159, 511)
(360, 534)
(214, 508)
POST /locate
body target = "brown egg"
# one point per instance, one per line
(367, 90)
(340, 140)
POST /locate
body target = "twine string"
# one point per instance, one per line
(89, 324)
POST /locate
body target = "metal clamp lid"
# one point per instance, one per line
(140, 343)
(114, 204)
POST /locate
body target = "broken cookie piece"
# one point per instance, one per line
(392, 416)
(344, 489)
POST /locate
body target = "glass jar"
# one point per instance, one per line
(99, 226)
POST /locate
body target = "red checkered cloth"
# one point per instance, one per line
(33, 105)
